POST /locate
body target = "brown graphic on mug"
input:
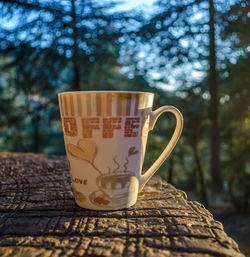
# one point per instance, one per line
(115, 185)
(85, 150)
(80, 197)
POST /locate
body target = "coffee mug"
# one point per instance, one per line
(105, 135)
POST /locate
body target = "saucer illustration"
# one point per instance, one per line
(100, 199)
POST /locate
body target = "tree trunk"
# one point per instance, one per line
(214, 105)
(171, 170)
(197, 158)
(36, 139)
(76, 81)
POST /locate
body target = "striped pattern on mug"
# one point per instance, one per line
(105, 104)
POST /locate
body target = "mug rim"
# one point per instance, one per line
(105, 92)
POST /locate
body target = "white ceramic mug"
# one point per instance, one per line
(105, 134)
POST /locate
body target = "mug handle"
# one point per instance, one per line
(169, 148)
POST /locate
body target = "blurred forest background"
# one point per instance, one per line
(193, 54)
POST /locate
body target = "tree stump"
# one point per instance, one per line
(39, 217)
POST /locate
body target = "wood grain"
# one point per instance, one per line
(38, 217)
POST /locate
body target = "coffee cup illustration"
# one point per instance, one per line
(115, 185)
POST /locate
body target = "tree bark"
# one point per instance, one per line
(76, 81)
(214, 105)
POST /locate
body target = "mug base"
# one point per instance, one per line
(105, 208)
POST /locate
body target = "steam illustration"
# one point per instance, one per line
(125, 164)
(118, 165)
(131, 151)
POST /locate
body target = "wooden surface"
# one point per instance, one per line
(38, 217)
